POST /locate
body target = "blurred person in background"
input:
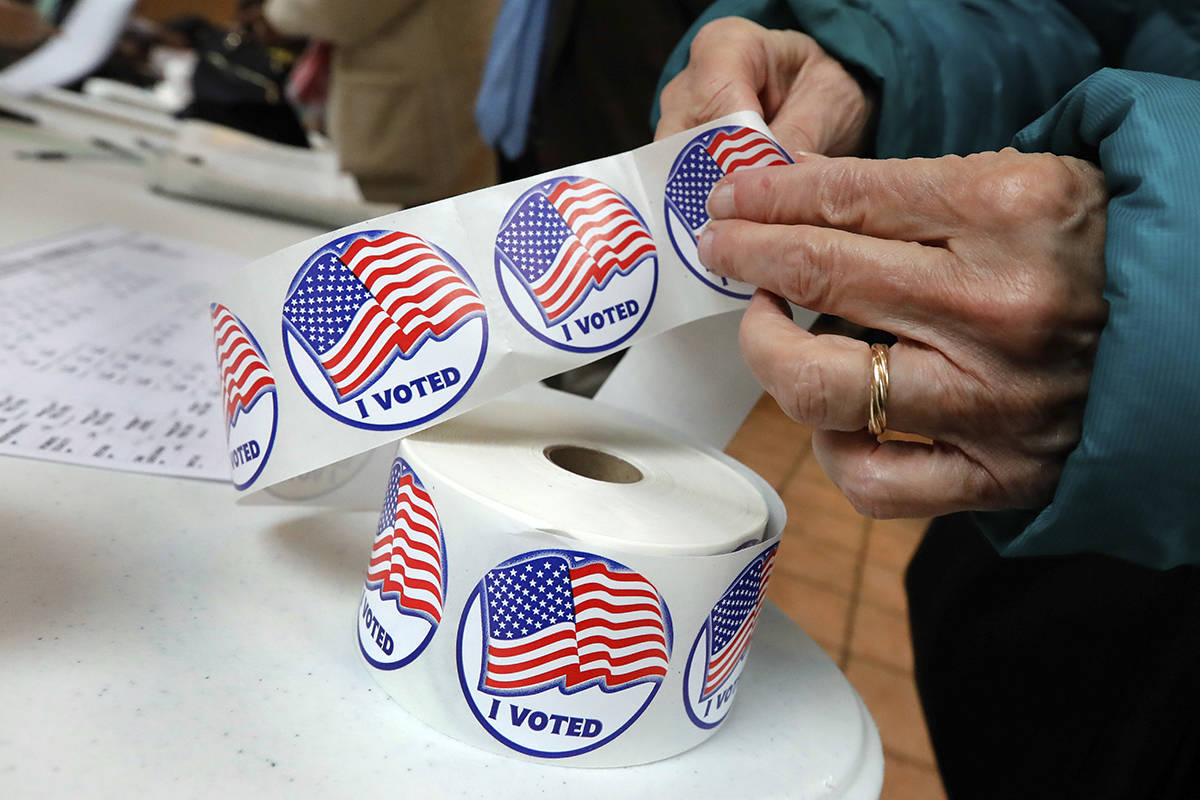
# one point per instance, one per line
(403, 75)
(235, 75)
(569, 81)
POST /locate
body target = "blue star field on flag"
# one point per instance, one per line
(738, 603)
(533, 238)
(529, 597)
(688, 188)
(387, 516)
(322, 307)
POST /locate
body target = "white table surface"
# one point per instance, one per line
(158, 641)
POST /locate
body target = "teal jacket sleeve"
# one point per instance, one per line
(1132, 488)
(961, 77)
(951, 77)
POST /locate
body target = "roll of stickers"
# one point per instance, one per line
(553, 582)
(349, 341)
(549, 580)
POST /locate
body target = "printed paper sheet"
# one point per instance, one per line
(106, 353)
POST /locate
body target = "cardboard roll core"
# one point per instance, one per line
(591, 463)
(587, 471)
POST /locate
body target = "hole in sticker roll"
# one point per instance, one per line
(591, 463)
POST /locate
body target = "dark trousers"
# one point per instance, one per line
(1063, 677)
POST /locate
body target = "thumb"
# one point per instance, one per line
(823, 111)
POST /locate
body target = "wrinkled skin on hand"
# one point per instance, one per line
(807, 98)
(989, 269)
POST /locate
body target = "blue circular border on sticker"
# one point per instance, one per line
(546, 186)
(287, 350)
(420, 648)
(475, 594)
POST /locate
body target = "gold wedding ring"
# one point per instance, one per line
(877, 416)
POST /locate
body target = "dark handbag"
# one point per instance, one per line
(239, 82)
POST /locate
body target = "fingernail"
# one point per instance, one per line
(720, 200)
(703, 244)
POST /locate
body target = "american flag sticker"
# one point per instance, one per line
(576, 264)
(719, 652)
(383, 329)
(405, 589)
(247, 396)
(703, 161)
(561, 651)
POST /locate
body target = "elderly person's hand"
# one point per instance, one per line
(809, 101)
(989, 269)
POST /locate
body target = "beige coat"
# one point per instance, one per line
(402, 90)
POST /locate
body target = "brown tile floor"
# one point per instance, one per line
(839, 576)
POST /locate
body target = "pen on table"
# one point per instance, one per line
(152, 147)
(115, 149)
(56, 155)
(107, 150)
(17, 116)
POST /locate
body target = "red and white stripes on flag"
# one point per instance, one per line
(605, 225)
(417, 295)
(618, 627)
(744, 147)
(574, 275)
(244, 373)
(549, 623)
(407, 558)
